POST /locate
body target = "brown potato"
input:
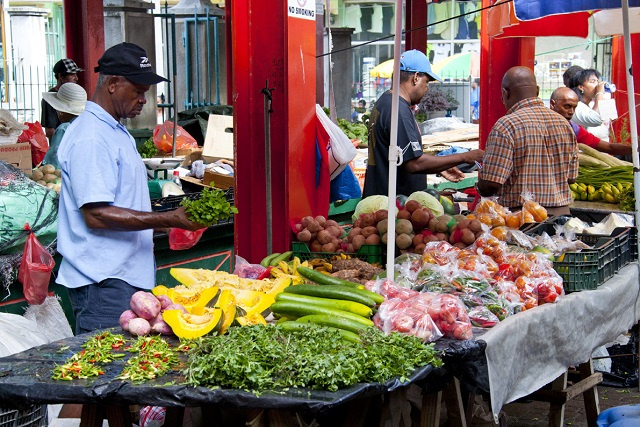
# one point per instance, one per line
(305, 221)
(324, 237)
(419, 219)
(383, 226)
(314, 226)
(373, 239)
(354, 232)
(331, 223)
(315, 246)
(329, 247)
(299, 227)
(404, 214)
(381, 215)
(419, 249)
(368, 231)
(403, 241)
(350, 248)
(304, 235)
(475, 225)
(358, 241)
(367, 220)
(412, 206)
(321, 220)
(418, 239)
(467, 237)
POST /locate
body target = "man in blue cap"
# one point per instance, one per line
(415, 75)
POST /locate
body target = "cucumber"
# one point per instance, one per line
(334, 292)
(266, 261)
(379, 299)
(334, 322)
(323, 279)
(350, 306)
(281, 257)
(295, 310)
(304, 327)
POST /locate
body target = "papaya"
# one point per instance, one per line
(188, 298)
(227, 303)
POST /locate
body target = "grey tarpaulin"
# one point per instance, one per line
(25, 378)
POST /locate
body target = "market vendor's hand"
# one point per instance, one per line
(454, 174)
(182, 221)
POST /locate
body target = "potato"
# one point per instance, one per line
(298, 227)
(433, 225)
(420, 219)
(145, 305)
(352, 233)
(404, 214)
(403, 241)
(350, 248)
(48, 169)
(37, 175)
(165, 301)
(467, 237)
(49, 177)
(305, 221)
(331, 223)
(475, 225)
(373, 239)
(419, 249)
(367, 220)
(314, 226)
(175, 306)
(335, 231)
(56, 187)
(329, 247)
(403, 226)
(162, 328)
(412, 206)
(315, 246)
(441, 236)
(42, 182)
(383, 226)
(357, 223)
(460, 245)
(50, 185)
(381, 215)
(442, 226)
(304, 235)
(125, 318)
(324, 237)
(321, 220)
(358, 241)
(418, 239)
(57, 173)
(383, 239)
(139, 327)
(463, 223)
(368, 231)
(430, 238)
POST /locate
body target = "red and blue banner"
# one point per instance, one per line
(527, 10)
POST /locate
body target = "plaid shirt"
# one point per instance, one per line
(531, 148)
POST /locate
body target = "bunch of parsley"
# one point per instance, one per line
(211, 207)
(260, 358)
(148, 149)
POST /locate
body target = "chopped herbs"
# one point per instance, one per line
(88, 363)
(155, 357)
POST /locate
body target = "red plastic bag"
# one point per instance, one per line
(35, 269)
(39, 144)
(180, 239)
(163, 137)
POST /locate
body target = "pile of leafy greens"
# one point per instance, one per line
(211, 207)
(260, 358)
(148, 149)
(357, 130)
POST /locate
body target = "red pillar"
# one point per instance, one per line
(619, 77)
(496, 57)
(416, 17)
(268, 44)
(84, 34)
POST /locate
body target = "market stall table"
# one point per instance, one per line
(531, 349)
(25, 378)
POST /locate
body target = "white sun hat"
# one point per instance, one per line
(70, 98)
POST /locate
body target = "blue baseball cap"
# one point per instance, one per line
(417, 62)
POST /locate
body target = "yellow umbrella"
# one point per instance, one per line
(384, 69)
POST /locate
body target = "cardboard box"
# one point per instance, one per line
(18, 155)
(219, 180)
(218, 142)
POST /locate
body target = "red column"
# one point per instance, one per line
(84, 34)
(270, 45)
(496, 57)
(416, 17)
(619, 77)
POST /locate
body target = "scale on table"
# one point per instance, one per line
(158, 171)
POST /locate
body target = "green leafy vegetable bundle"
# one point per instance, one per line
(260, 358)
(211, 207)
(148, 149)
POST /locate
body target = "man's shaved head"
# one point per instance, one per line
(564, 102)
(518, 83)
(563, 93)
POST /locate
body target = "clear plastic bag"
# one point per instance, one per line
(341, 150)
(408, 317)
(180, 239)
(35, 269)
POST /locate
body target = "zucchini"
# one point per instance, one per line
(282, 257)
(334, 322)
(303, 327)
(295, 310)
(379, 299)
(350, 306)
(266, 261)
(323, 279)
(335, 292)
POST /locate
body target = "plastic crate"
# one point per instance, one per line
(604, 248)
(369, 253)
(579, 270)
(34, 416)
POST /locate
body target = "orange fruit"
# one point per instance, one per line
(499, 233)
(513, 220)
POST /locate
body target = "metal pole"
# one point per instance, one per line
(175, 86)
(267, 157)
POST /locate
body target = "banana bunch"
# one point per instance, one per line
(582, 191)
(289, 270)
(611, 192)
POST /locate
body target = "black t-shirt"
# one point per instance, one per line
(409, 140)
(49, 115)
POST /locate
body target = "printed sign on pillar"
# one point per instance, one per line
(303, 9)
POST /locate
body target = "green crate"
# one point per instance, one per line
(369, 253)
(579, 270)
(607, 259)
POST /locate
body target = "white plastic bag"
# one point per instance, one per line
(341, 150)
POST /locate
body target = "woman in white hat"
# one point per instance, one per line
(69, 102)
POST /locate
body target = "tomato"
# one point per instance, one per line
(402, 323)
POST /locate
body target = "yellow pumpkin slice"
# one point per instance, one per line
(187, 325)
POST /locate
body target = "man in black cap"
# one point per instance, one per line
(65, 71)
(105, 222)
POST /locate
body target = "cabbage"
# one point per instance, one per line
(370, 204)
(427, 201)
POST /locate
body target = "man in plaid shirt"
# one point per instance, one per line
(531, 149)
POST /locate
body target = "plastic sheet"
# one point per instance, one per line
(25, 378)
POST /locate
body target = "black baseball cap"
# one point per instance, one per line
(66, 66)
(130, 61)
